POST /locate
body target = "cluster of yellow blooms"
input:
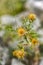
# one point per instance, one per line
(21, 32)
(19, 53)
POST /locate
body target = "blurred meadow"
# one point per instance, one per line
(11, 6)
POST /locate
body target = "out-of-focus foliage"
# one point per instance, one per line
(11, 6)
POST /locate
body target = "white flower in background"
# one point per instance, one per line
(16, 62)
(40, 32)
(6, 19)
(36, 24)
(41, 63)
(4, 53)
(31, 4)
(38, 4)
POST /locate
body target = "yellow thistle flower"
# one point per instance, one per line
(34, 41)
(19, 53)
(32, 17)
(21, 31)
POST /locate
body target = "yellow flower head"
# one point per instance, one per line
(32, 17)
(21, 31)
(34, 41)
(19, 53)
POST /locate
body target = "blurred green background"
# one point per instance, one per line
(11, 6)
